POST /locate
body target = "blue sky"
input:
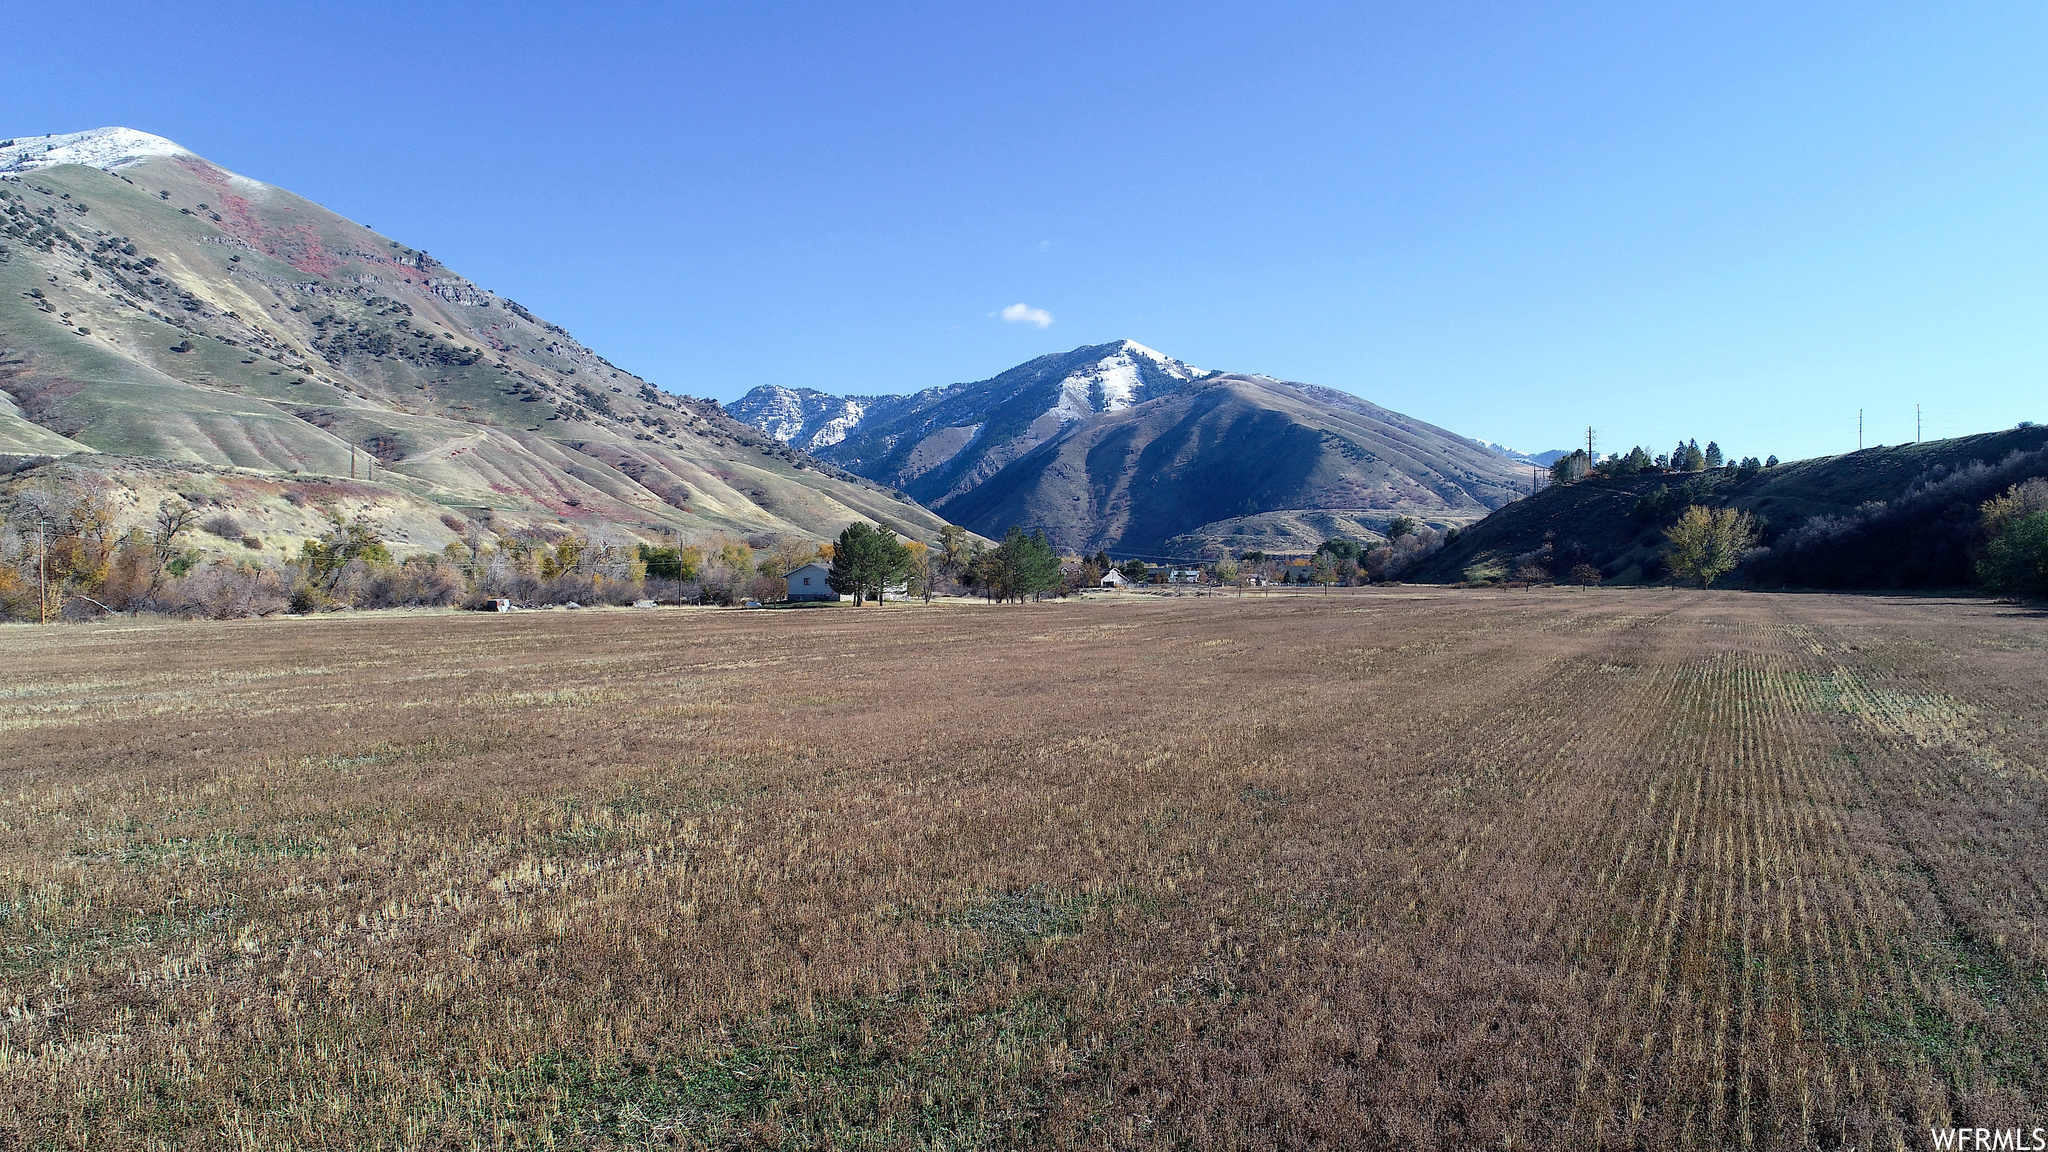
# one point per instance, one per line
(1740, 222)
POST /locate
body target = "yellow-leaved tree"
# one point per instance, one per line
(1706, 542)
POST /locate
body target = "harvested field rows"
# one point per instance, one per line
(1415, 868)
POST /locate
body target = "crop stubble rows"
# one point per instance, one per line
(1440, 869)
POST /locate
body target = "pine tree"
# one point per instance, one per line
(866, 559)
(1018, 567)
(1713, 459)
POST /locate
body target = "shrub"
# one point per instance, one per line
(424, 582)
(225, 590)
(769, 589)
(2016, 555)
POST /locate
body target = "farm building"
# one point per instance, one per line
(809, 583)
(1113, 579)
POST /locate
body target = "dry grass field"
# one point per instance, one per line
(1621, 869)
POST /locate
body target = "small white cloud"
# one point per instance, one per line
(1026, 314)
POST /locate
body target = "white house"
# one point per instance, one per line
(1113, 579)
(808, 583)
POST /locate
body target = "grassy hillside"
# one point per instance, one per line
(175, 311)
(1922, 498)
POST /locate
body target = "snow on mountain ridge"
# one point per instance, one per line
(107, 149)
(780, 416)
(803, 418)
(838, 427)
(1541, 459)
(1113, 382)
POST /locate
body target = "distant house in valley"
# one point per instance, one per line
(809, 583)
(1113, 579)
(1184, 576)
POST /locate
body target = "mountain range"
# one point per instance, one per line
(186, 327)
(1121, 447)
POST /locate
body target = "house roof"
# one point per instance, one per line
(820, 565)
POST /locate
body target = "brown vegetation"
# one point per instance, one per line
(1444, 869)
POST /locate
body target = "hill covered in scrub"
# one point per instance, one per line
(156, 308)
(1121, 447)
(1905, 516)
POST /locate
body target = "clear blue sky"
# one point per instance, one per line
(1731, 221)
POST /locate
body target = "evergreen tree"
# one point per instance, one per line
(1713, 459)
(866, 559)
(1020, 566)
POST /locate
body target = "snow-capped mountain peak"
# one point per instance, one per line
(104, 148)
(1115, 381)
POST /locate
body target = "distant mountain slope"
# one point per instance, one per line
(1119, 446)
(1538, 459)
(1913, 503)
(944, 442)
(803, 418)
(155, 305)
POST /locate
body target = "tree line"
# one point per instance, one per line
(869, 559)
(1688, 456)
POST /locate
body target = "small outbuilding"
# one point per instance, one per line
(809, 583)
(1113, 579)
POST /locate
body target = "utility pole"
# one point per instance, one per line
(1859, 429)
(1916, 424)
(1589, 448)
(43, 568)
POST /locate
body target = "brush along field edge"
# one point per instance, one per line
(1680, 869)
